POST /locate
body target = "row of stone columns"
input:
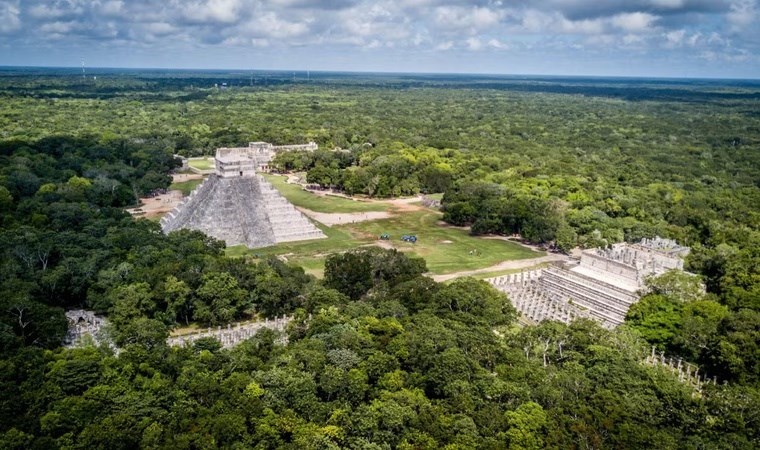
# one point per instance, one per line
(686, 372)
(531, 301)
(233, 334)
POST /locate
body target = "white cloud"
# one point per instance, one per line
(668, 4)
(497, 44)
(112, 8)
(48, 12)
(57, 27)
(636, 22)
(160, 28)
(743, 13)
(271, 25)
(457, 17)
(474, 43)
(220, 11)
(448, 45)
(675, 37)
(9, 17)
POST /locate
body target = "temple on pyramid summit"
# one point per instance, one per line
(236, 205)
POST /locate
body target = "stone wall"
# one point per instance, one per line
(533, 302)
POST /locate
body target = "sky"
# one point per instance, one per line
(662, 38)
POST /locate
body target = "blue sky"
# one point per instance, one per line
(673, 38)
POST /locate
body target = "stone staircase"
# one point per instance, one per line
(241, 211)
(532, 301)
(604, 302)
(288, 224)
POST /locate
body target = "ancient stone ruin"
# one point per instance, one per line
(88, 328)
(263, 152)
(83, 326)
(238, 206)
(603, 286)
(233, 334)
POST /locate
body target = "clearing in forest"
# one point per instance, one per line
(201, 163)
(446, 249)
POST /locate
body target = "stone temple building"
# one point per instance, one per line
(602, 286)
(264, 152)
(238, 206)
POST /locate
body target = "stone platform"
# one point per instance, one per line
(603, 286)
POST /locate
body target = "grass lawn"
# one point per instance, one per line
(446, 249)
(201, 164)
(319, 203)
(441, 257)
(186, 186)
(308, 254)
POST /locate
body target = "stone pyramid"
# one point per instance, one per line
(238, 206)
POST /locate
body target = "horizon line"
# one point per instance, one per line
(491, 74)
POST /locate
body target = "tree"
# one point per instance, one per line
(349, 273)
(219, 299)
(527, 425)
(474, 300)
(177, 297)
(130, 302)
(657, 318)
(676, 285)
(148, 333)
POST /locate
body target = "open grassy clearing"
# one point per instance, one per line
(324, 204)
(308, 254)
(185, 186)
(446, 249)
(201, 164)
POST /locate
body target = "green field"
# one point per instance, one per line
(446, 249)
(309, 254)
(186, 186)
(201, 164)
(324, 204)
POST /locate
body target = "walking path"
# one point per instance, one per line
(504, 265)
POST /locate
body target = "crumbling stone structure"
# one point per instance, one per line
(260, 154)
(85, 324)
(603, 286)
(233, 334)
(238, 206)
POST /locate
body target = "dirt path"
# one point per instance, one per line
(504, 265)
(180, 177)
(404, 204)
(331, 219)
(156, 206)
(400, 204)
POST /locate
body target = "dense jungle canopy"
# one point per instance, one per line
(378, 356)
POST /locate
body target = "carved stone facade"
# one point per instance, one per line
(603, 286)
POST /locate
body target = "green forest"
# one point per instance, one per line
(377, 355)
